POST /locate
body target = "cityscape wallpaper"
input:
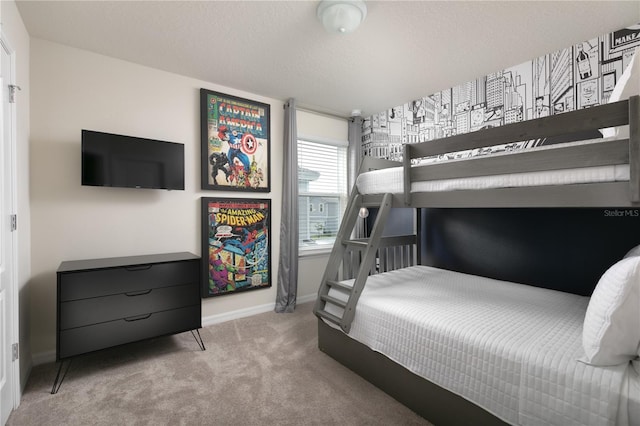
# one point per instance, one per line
(578, 76)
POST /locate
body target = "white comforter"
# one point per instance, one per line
(511, 349)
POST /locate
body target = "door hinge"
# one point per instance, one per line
(14, 222)
(12, 93)
(15, 351)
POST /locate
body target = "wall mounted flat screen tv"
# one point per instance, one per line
(131, 162)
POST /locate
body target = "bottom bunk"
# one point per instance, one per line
(429, 400)
(463, 349)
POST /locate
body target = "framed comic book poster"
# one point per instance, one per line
(236, 143)
(236, 245)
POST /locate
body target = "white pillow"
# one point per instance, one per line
(611, 333)
(633, 252)
(627, 86)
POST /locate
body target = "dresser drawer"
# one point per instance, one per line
(110, 281)
(78, 313)
(80, 340)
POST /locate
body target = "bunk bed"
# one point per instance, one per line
(466, 349)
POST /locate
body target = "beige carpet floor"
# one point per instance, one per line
(261, 370)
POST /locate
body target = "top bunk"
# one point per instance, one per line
(600, 172)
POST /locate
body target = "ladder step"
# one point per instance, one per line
(329, 317)
(338, 284)
(334, 301)
(356, 243)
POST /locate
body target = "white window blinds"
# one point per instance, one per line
(322, 192)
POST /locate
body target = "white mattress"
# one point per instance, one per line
(511, 349)
(391, 180)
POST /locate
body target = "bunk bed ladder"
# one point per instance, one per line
(365, 248)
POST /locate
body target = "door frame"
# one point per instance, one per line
(11, 179)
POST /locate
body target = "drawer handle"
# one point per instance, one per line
(138, 293)
(137, 318)
(138, 268)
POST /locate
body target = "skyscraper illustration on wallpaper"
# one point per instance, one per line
(576, 77)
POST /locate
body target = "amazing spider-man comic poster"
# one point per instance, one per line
(235, 245)
(235, 143)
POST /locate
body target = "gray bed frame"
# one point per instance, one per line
(425, 398)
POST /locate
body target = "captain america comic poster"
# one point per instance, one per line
(235, 143)
(235, 245)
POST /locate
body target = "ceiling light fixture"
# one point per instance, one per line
(341, 16)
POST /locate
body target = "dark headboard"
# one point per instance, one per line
(565, 249)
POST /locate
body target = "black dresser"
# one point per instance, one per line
(108, 302)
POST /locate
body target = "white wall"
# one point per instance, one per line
(74, 89)
(16, 33)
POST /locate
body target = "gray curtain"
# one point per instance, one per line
(354, 160)
(288, 262)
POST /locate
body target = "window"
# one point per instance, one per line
(322, 192)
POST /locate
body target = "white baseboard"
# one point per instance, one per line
(247, 312)
(50, 356)
(237, 314)
(308, 298)
(40, 358)
(24, 377)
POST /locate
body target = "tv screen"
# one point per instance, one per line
(131, 162)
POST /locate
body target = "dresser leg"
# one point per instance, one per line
(58, 381)
(198, 339)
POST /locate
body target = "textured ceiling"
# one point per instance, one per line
(404, 50)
